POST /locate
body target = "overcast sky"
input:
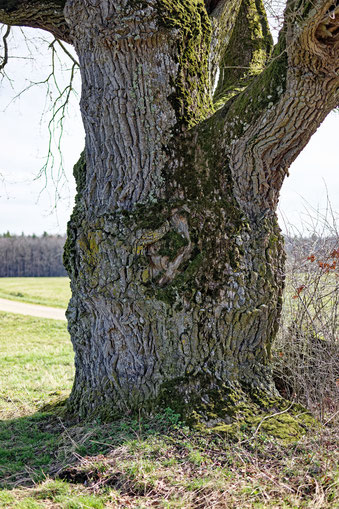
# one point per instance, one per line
(32, 205)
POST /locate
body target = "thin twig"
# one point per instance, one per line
(332, 417)
(68, 53)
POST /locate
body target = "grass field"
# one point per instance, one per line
(36, 363)
(50, 461)
(47, 291)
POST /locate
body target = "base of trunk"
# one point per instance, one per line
(241, 410)
(237, 410)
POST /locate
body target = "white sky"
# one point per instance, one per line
(26, 205)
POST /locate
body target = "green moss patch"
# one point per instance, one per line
(247, 52)
(192, 31)
(171, 243)
(235, 409)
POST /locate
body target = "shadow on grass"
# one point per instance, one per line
(44, 444)
(28, 448)
(49, 461)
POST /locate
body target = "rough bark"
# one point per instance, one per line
(174, 252)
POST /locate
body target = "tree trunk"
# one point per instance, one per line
(173, 300)
(176, 287)
(174, 251)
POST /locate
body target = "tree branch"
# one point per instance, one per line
(223, 16)
(247, 52)
(45, 14)
(274, 118)
(4, 40)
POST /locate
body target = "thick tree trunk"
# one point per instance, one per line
(176, 287)
(174, 252)
(172, 301)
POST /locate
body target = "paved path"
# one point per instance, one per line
(12, 306)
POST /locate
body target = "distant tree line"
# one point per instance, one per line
(31, 255)
(41, 256)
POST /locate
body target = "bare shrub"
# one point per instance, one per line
(306, 353)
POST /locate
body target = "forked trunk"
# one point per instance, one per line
(174, 253)
(176, 284)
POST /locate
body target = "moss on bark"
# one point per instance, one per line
(237, 410)
(261, 94)
(189, 22)
(247, 52)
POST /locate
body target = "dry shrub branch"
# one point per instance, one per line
(306, 353)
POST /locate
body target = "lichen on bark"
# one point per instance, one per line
(79, 172)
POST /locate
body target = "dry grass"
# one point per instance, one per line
(158, 463)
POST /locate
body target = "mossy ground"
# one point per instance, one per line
(233, 410)
(48, 462)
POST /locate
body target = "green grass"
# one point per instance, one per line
(47, 291)
(36, 363)
(49, 461)
(46, 462)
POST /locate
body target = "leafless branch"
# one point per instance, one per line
(4, 59)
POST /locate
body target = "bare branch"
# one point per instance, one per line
(5, 57)
(58, 84)
(68, 53)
